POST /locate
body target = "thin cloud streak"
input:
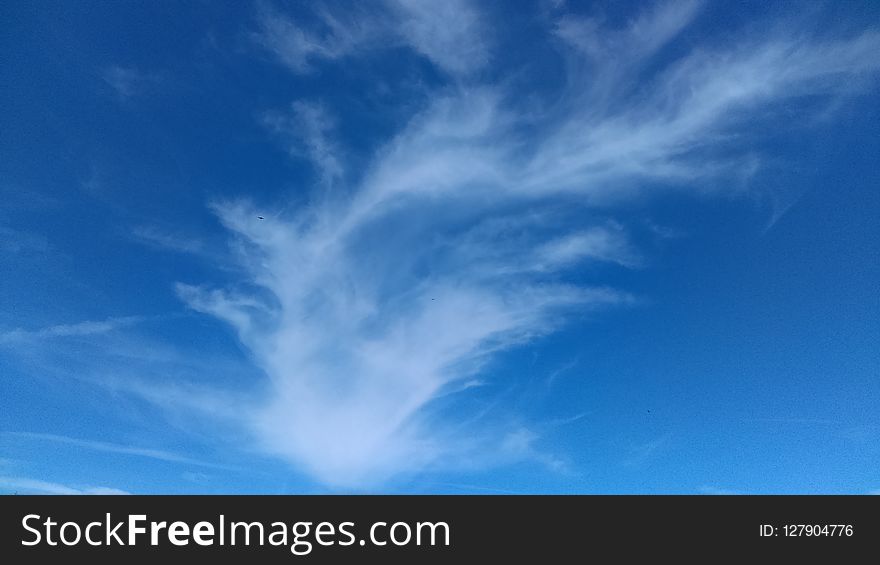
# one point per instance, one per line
(25, 485)
(79, 329)
(155, 236)
(106, 447)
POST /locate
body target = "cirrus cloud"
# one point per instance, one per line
(464, 235)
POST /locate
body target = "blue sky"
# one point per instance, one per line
(458, 247)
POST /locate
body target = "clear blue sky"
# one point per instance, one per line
(442, 247)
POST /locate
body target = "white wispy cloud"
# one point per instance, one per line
(366, 306)
(450, 34)
(596, 243)
(79, 329)
(340, 35)
(307, 129)
(621, 51)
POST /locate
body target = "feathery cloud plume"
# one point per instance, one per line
(459, 240)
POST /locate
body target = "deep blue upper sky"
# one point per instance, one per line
(402, 246)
